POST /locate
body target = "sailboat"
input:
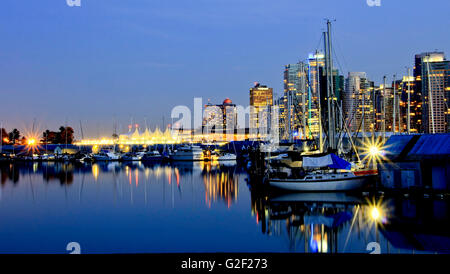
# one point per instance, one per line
(322, 171)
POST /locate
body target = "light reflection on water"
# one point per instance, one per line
(198, 207)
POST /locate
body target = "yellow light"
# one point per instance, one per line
(6, 140)
(31, 142)
(375, 213)
(374, 150)
(95, 149)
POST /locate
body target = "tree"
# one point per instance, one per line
(65, 135)
(4, 136)
(49, 137)
(14, 136)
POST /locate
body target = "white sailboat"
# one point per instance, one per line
(324, 171)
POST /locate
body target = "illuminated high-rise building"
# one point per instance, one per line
(220, 118)
(302, 98)
(408, 84)
(261, 100)
(357, 102)
(383, 107)
(295, 100)
(432, 72)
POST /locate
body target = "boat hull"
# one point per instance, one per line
(187, 157)
(344, 184)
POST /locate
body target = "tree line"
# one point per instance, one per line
(65, 135)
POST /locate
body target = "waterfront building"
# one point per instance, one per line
(261, 101)
(220, 118)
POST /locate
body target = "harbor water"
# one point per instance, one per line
(201, 207)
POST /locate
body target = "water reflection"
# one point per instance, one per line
(178, 207)
(220, 182)
(339, 223)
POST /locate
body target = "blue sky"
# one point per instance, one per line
(114, 59)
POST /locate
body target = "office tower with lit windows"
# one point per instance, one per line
(432, 72)
(408, 84)
(302, 98)
(295, 100)
(261, 101)
(220, 118)
(357, 102)
(383, 107)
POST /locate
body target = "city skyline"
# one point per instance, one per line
(104, 63)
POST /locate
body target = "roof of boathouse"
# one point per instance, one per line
(418, 147)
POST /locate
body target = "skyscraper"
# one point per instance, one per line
(357, 102)
(261, 100)
(434, 81)
(408, 84)
(220, 118)
(384, 101)
(295, 99)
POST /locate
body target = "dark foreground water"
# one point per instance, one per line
(185, 207)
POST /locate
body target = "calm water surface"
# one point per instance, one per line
(195, 207)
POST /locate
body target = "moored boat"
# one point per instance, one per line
(188, 153)
(106, 156)
(152, 156)
(321, 181)
(319, 174)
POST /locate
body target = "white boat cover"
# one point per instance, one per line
(316, 162)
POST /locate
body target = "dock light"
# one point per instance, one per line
(375, 213)
(31, 142)
(6, 140)
(374, 151)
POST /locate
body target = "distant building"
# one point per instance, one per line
(432, 73)
(295, 99)
(383, 104)
(357, 102)
(415, 105)
(261, 100)
(220, 118)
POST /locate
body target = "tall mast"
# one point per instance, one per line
(303, 88)
(363, 112)
(384, 108)
(394, 107)
(289, 102)
(430, 96)
(319, 109)
(408, 118)
(81, 129)
(330, 92)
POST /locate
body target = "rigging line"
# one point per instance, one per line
(337, 61)
(339, 48)
(320, 41)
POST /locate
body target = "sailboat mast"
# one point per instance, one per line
(319, 108)
(394, 109)
(408, 118)
(303, 87)
(329, 137)
(430, 96)
(330, 88)
(384, 108)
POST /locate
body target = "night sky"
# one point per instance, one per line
(114, 60)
